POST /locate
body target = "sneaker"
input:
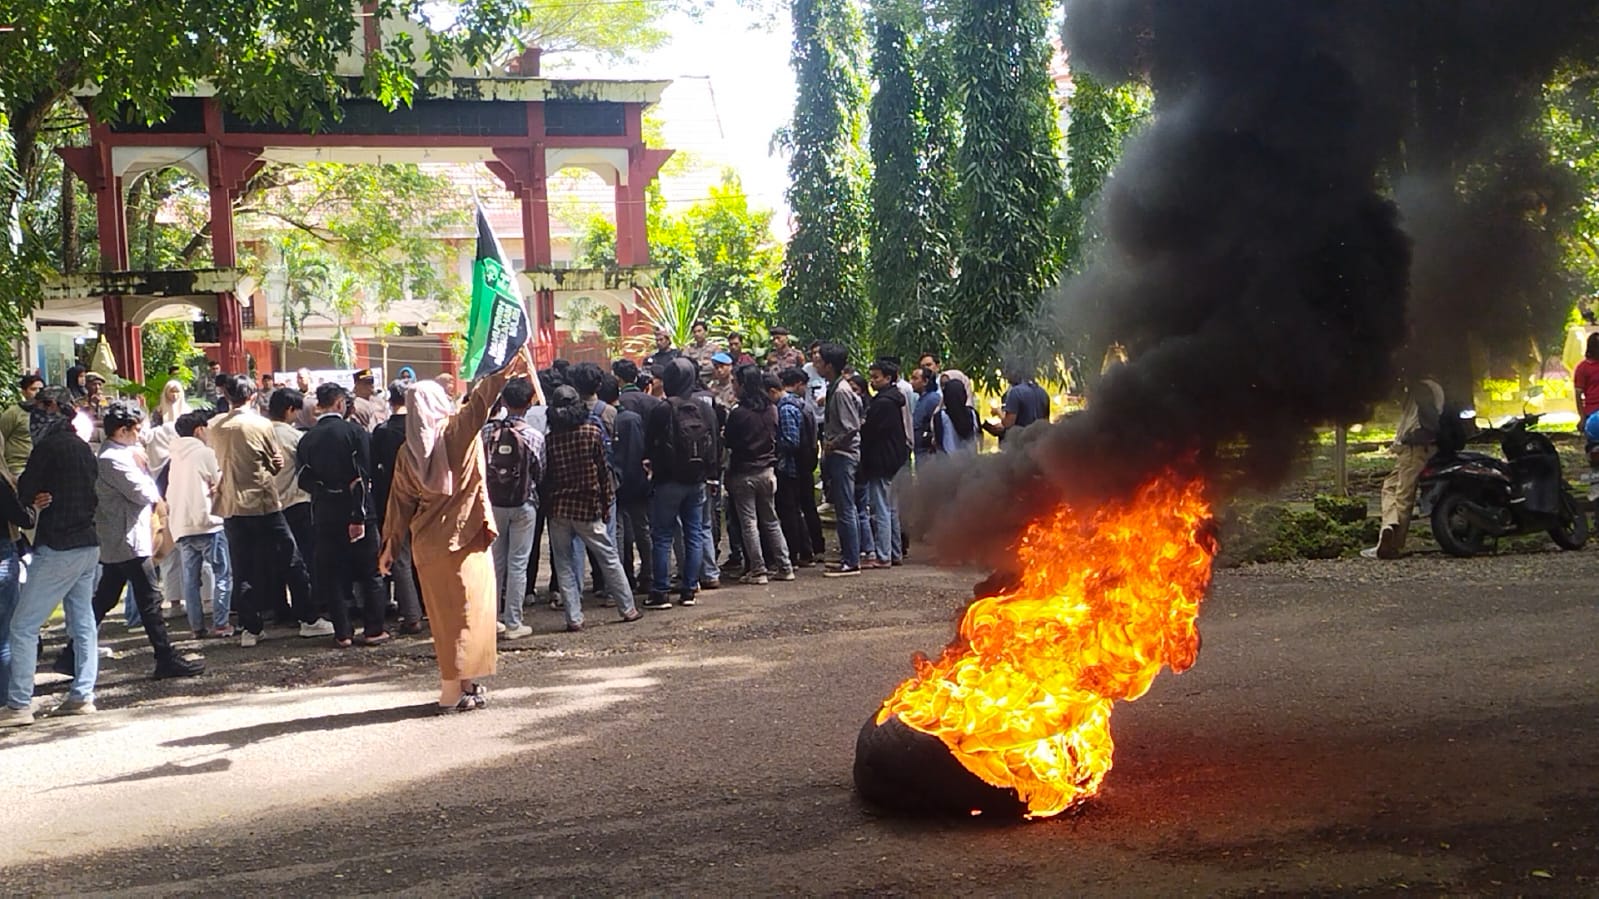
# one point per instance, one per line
(574, 627)
(656, 601)
(247, 639)
(841, 572)
(177, 667)
(757, 580)
(10, 717)
(784, 576)
(712, 584)
(805, 563)
(74, 707)
(410, 627)
(1389, 543)
(318, 628)
(499, 627)
(1369, 552)
(516, 633)
(896, 563)
(556, 604)
(223, 632)
(686, 599)
(632, 616)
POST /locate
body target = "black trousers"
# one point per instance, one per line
(263, 553)
(301, 519)
(813, 518)
(345, 569)
(407, 591)
(139, 577)
(791, 517)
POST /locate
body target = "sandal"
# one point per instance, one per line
(465, 704)
(479, 696)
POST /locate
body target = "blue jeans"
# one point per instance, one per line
(882, 530)
(10, 589)
(564, 535)
(709, 570)
(206, 549)
(838, 472)
(56, 577)
(675, 507)
(511, 551)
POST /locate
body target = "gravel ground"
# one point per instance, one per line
(1351, 726)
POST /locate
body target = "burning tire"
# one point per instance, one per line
(1453, 530)
(903, 770)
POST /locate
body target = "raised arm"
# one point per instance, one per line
(462, 432)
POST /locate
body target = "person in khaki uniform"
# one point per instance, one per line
(439, 497)
(1415, 441)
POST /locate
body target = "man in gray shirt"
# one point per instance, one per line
(841, 455)
(127, 495)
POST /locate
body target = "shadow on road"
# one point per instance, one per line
(239, 737)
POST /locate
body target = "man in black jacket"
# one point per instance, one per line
(336, 469)
(884, 450)
(386, 443)
(60, 479)
(633, 485)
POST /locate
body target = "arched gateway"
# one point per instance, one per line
(520, 125)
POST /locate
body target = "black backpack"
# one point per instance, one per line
(512, 470)
(690, 442)
(806, 456)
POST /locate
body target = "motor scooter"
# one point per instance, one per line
(1472, 498)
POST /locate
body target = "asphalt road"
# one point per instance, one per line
(1428, 724)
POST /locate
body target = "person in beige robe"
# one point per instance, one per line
(440, 498)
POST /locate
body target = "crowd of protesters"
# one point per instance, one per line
(331, 510)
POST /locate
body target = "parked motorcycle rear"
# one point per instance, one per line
(1473, 498)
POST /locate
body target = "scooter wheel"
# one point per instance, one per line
(1572, 532)
(1455, 533)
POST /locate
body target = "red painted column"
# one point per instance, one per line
(632, 239)
(230, 333)
(544, 349)
(124, 339)
(536, 200)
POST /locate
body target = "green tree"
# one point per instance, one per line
(1011, 179)
(357, 237)
(720, 251)
(167, 345)
(1572, 128)
(824, 270)
(1100, 118)
(273, 59)
(912, 136)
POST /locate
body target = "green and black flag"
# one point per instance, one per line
(498, 324)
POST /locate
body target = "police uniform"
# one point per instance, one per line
(336, 469)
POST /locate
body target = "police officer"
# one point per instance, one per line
(336, 469)
(367, 409)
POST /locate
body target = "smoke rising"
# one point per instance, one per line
(1329, 193)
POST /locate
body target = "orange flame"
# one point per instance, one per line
(1022, 696)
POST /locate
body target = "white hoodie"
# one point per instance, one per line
(192, 478)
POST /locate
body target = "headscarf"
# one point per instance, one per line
(171, 409)
(73, 387)
(957, 375)
(428, 410)
(957, 406)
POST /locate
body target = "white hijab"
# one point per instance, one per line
(428, 409)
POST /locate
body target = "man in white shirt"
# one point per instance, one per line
(192, 480)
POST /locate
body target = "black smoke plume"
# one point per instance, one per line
(1330, 195)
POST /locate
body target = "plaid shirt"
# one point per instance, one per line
(577, 479)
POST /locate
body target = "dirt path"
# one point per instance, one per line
(1426, 724)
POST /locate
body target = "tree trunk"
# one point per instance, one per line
(69, 221)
